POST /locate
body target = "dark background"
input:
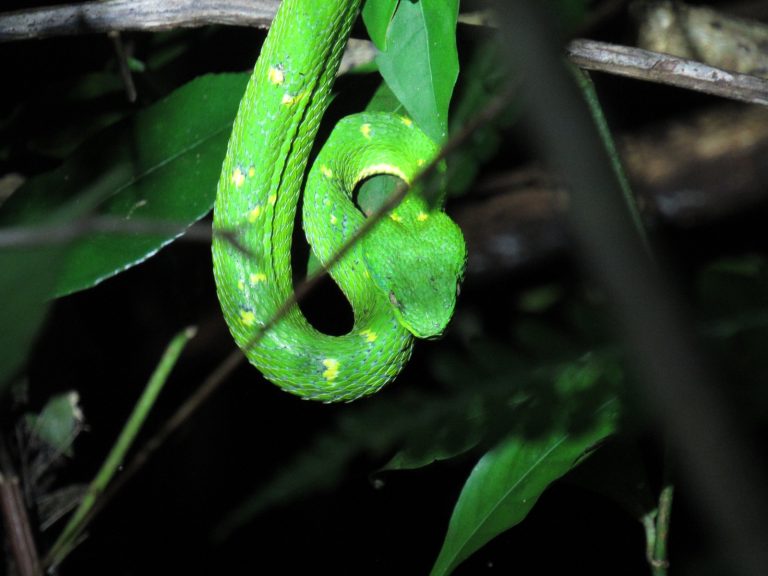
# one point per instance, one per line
(105, 342)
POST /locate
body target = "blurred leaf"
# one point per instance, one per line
(541, 298)
(421, 63)
(481, 80)
(377, 15)
(27, 279)
(375, 429)
(161, 165)
(732, 293)
(544, 340)
(442, 443)
(507, 482)
(618, 471)
(572, 13)
(94, 85)
(58, 423)
(30, 274)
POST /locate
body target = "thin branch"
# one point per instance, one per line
(54, 234)
(122, 61)
(13, 512)
(154, 15)
(665, 69)
(141, 15)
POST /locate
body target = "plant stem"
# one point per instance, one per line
(72, 532)
(13, 513)
(590, 95)
(656, 525)
(659, 562)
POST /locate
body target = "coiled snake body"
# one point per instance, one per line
(401, 279)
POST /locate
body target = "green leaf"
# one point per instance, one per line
(508, 480)
(30, 274)
(445, 442)
(482, 79)
(160, 166)
(59, 422)
(421, 62)
(384, 100)
(377, 14)
(27, 278)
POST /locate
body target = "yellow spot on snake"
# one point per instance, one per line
(251, 172)
(334, 219)
(276, 76)
(365, 129)
(369, 335)
(289, 99)
(240, 285)
(256, 278)
(247, 317)
(407, 121)
(272, 199)
(395, 217)
(422, 216)
(238, 177)
(325, 171)
(254, 214)
(420, 162)
(332, 368)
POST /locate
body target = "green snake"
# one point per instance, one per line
(401, 279)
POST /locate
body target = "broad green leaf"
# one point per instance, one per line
(508, 480)
(377, 14)
(159, 166)
(421, 62)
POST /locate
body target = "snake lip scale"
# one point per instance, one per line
(401, 279)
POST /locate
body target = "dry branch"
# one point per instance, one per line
(665, 69)
(142, 15)
(153, 15)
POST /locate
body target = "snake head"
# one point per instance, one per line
(417, 260)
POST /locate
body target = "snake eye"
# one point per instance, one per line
(393, 300)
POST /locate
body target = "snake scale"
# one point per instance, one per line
(401, 279)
